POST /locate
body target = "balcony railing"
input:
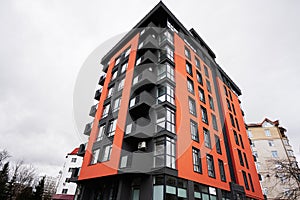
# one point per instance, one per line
(140, 129)
(140, 104)
(93, 110)
(98, 94)
(147, 57)
(102, 79)
(88, 129)
(144, 80)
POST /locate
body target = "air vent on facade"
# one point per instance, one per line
(142, 145)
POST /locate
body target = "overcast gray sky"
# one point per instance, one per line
(45, 43)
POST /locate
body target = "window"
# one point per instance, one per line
(222, 170)
(167, 36)
(199, 78)
(240, 157)
(249, 134)
(204, 115)
(197, 63)
(106, 153)
(165, 70)
(206, 71)
(70, 169)
(228, 104)
(285, 142)
(237, 124)
(233, 109)
(241, 140)
(230, 96)
(251, 183)
(135, 100)
(246, 161)
(188, 68)
(164, 152)
(210, 165)
(101, 132)
(124, 67)
(208, 86)
(117, 104)
(201, 95)
(95, 156)
(128, 128)
(166, 93)
(197, 160)
(290, 153)
(64, 191)
(114, 75)
(274, 154)
(123, 162)
(255, 154)
(110, 92)
(245, 180)
(127, 52)
(271, 143)
(190, 86)
(112, 128)
(207, 140)
(211, 102)
(73, 159)
(117, 61)
(225, 90)
(194, 130)
(231, 120)
(192, 106)
(121, 84)
(218, 144)
(166, 120)
(168, 52)
(105, 110)
(214, 122)
(267, 132)
(236, 137)
(187, 53)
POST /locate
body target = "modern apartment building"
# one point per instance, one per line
(168, 124)
(66, 188)
(270, 144)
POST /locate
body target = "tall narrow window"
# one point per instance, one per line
(197, 63)
(188, 67)
(208, 86)
(197, 160)
(190, 86)
(166, 120)
(106, 153)
(207, 139)
(201, 95)
(236, 138)
(192, 106)
(114, 75)
(170, 153)
(117, 61)
(241, 140)
(121, 84)
(105, 110)
(211, 102)
(127, 52)
(166, 36)
(194, 130)
(124, 67)
(187, 53)
(251, 183)
(204, 115)
(206, 71)
(210, 165)
(117, 104)
(112, 128)
(164, 152)
(245, 180)
(267, 132)
(240, 157)
(166, 93)
(233, 109)
(222, 170)
(199, 78)
(101, 132)
(237, 124)
(110, 92)
(95, 156)
(214, 122)
(167, 52)
(231, 120)
(165, 70)
(218, 144)
(246, 161)
(225, 90)
(228, 104)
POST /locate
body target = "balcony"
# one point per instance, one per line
(144, 80)
(138, 162)
(98, 94)
(81, 150)
(88, 129)
(142, 128)
(93, 110)
(147, 57)
(102, 79)
(74, 175)
(140, 105)
(148, 43)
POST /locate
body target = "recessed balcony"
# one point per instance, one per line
(102, 80)
(88, 129)
(142, 128)
(150, 42)
(93, 110)
(147, 57)
(144, 80)
(75, 174)
(98, 94)
(140, 105)
(137, 162)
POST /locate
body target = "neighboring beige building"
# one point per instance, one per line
(270, 144)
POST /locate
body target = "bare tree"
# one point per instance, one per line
(3, 156)
(285, 174)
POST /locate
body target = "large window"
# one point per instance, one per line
(192, 106)
(202, 192)
(201, 95)
(208, 86)
(165, 152)
(165, 93)
(218, 144)
(194, 130)
(214, 122)
(204, 115)
(207, 139)
(190, 86)
(210, 165)
(211, 102)
(117, 104)
(106, 153)
(105, 110)
(187, 53)
(165, 70)
(166, 120)
(101, 132)
(121, 84)
(245, 180)
(168, 52)
(188, 67)
(95, 156)
(112, 128)
(166, 36)
(197, 160)
(199, 78)
(197, 63)
(222, 170)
